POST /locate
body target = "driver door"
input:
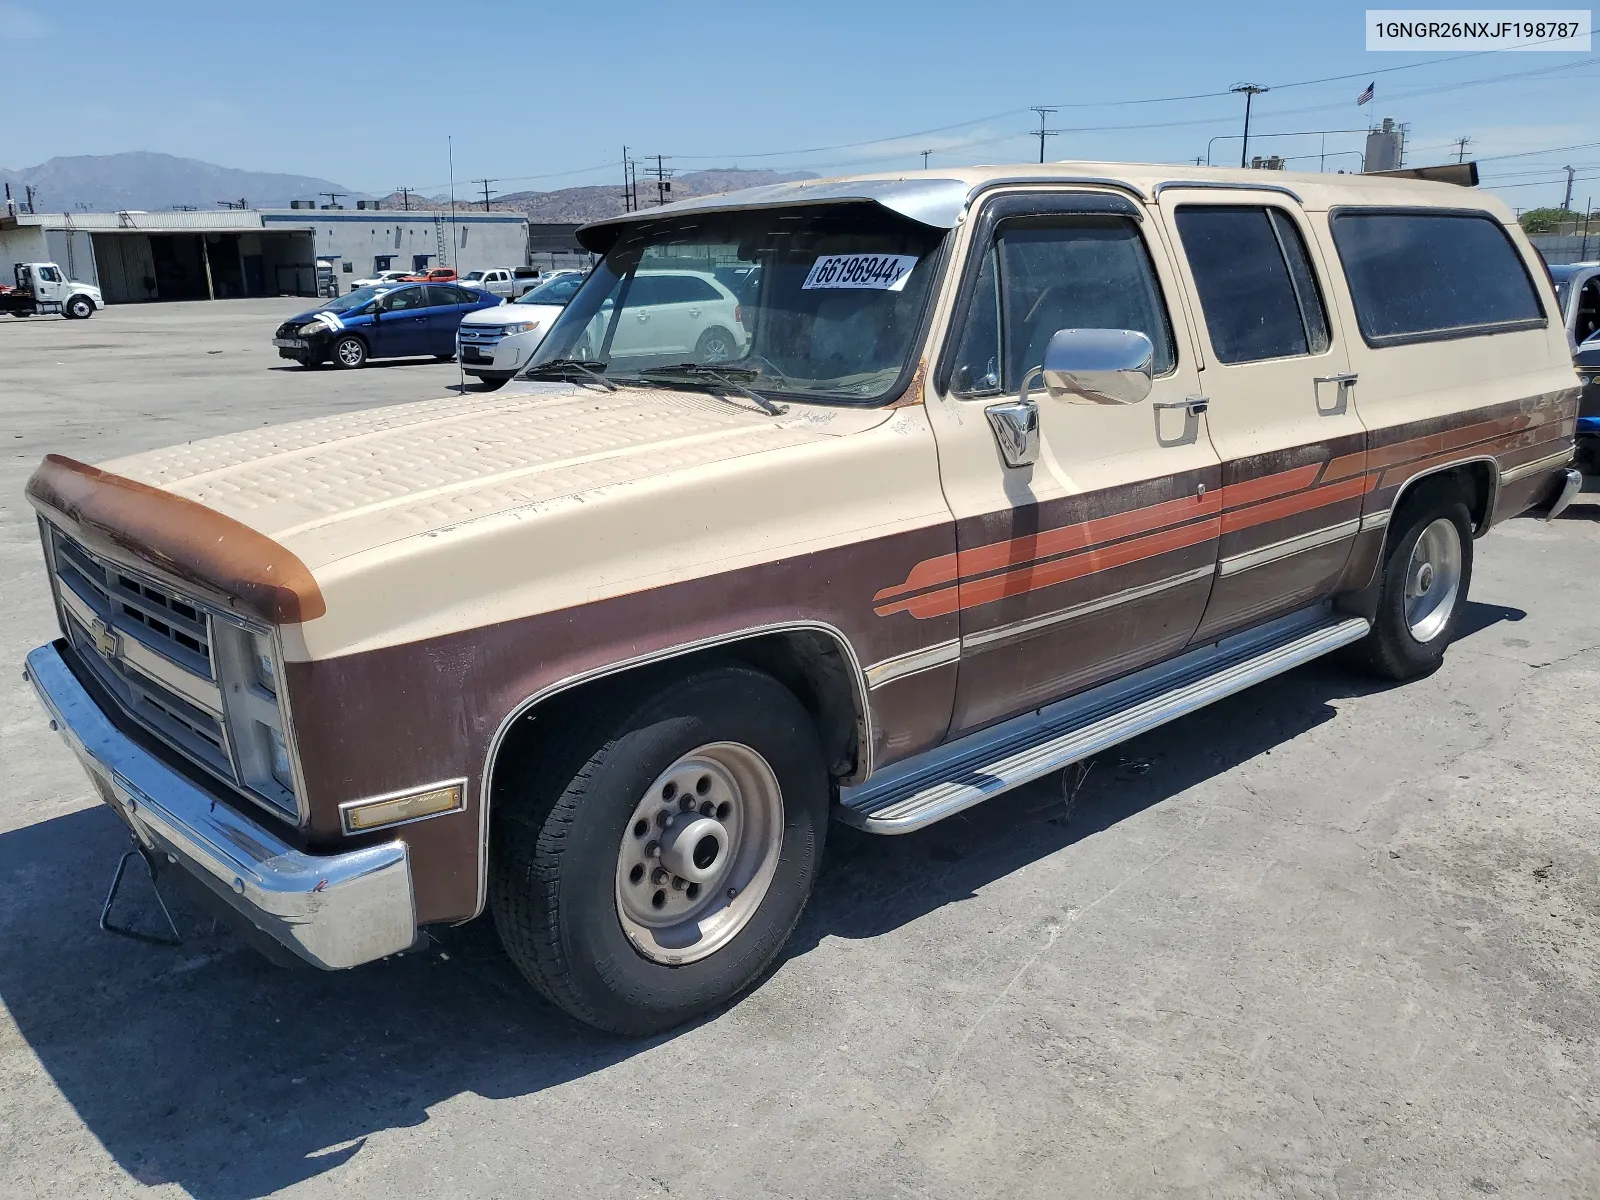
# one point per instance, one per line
(1097, 557)
(402, 327)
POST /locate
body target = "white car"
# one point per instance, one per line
(495, 343)
(687, 314)
(381, 279)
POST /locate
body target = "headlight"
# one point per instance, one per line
(249, 669)
(519, 327)
(311, 327)
(266, 666)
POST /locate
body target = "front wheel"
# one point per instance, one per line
(1427, 570)
(80, 308)
(658, 877)
(350, 352)
(491, 383)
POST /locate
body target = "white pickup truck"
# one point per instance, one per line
(509, 282)
(43, 287)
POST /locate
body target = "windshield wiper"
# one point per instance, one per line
(565, 368)
(728, 377)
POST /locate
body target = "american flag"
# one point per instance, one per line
(1366, 95)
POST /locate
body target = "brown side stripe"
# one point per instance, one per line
(1016, 566)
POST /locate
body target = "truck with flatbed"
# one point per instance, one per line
(43, 288)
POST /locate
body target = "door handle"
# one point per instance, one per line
(1349, 377)
(1190, 404)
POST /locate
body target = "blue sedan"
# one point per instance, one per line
(402, 321)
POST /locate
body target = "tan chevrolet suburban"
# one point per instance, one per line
(1012, 464)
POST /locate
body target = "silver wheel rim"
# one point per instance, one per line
(349, 353)
(699, 853)
(718, 347)
(1433, 579)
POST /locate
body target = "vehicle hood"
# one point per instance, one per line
(331, 322)
(344, 485)
(513, 314)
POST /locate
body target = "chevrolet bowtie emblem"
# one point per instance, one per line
(105, 640)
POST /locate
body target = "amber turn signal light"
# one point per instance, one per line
(359, 816)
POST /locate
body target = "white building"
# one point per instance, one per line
(140, 256)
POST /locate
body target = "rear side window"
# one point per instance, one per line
(1426, 276)
(1257, 289)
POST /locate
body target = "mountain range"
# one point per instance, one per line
(145, 180)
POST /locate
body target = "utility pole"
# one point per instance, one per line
(486, 183)
(30, 189)
(1199, 160)
(630, 201)
(1566, 205)
(1041, 133)
(925, 154)
(1461, 148)
(1251, 91)
(663, 178)
(333, 198)
(405, 198)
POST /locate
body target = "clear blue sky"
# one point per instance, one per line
(367, 93)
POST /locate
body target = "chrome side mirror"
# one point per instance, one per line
(1098, 366)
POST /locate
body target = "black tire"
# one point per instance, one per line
(1392, 650)
(716, 345)
(349, 352)
(558, 832)
(492, 383)
(79, 308)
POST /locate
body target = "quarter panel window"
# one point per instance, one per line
(1255, 282)
(1081, 272)
(1420, 276)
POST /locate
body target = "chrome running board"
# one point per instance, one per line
(951, 778)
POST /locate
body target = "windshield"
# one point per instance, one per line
(470, 275)
(816, 302)
(553, 291)
(353, 299)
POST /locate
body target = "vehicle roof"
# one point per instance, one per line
(1568, 270)
(939, 198)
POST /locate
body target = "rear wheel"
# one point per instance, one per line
(1427, 570)
(350, 352)
(659, 872)
(80, 308)
(716, 345)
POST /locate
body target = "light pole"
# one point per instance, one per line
(1251, 91)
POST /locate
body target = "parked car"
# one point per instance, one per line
(673, 313)
(1578, 293)
(43, 287)
(432, 275)
(1587, 361)
(403, 321)
(1008, 465)
(381, 279)
(493, 343)
(509, 282)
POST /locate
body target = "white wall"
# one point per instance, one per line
(358, 238)
(26, 243)
(72, 251)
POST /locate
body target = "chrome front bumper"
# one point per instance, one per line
(333, 910)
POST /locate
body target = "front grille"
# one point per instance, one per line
(484, 336)
(173, 627)
(152, 648)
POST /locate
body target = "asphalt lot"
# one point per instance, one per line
(1323, 939)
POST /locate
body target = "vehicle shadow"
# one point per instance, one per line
(373, 364)
(207, 1067)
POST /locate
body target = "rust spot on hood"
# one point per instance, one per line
(190, 540)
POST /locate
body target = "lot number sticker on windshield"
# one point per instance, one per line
(879, 272)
